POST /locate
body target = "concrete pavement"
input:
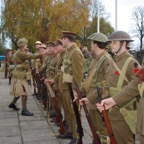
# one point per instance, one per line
(18, 129)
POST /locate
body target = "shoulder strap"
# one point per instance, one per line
(122, 72)
(124, 69)
(99, 65)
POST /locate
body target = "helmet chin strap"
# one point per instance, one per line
(118, 49)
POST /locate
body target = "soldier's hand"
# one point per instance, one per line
(45, 81)
(85, 100)
(105, 104)
(51, 81)
(75, 95)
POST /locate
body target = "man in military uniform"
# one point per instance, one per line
(86, 53)
(35, 63)
(133, 90)
(19, 86)
(119, 74)
(73, 67)
(96, 76)
(55, 81)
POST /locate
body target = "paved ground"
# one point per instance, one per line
(18, 129)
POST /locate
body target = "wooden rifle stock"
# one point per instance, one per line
(45, 98)
(95, 135)
(106, 119)
(59, 115)
(77, 115)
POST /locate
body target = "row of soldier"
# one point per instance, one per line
(60, 67)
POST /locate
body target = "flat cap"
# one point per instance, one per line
(98, 37)
(68, 34)
(22, 42)
(38, 42)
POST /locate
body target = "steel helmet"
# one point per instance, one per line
(98, 37)
(21, 42)
(120, 36)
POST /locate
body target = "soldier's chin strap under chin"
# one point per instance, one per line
(118, 49)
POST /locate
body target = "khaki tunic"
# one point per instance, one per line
(19, 84)
(100, 76)
(58, 70)
(97, 69)
(127, 94)
(77, 66)
(75, 57)
(50, 71)
(120, 128)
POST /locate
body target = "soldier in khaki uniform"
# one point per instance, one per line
(56, 80)
(72, 66)
(19, 85)
(132, 90)
(96, 76)
(86, 53)
(120, 73)
(35, 62)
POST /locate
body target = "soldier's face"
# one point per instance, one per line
(93, 45)
(114, 45)
(41, 50)
(64, 41)
(37, 46)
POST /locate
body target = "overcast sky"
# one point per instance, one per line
(125, 9)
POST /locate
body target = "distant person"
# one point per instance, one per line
(86, 53)
(8, 60)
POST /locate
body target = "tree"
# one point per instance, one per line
(43, 20)
(105, 26)
(138, 19)
(94, 9)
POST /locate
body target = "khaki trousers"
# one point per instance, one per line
(141, 139)
(70, 114)
(122, 132)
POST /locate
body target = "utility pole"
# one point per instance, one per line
(115, 15)
(98, 18)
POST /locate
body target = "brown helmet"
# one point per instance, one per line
(120, 36)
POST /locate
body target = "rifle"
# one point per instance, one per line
(95, 135)
(77, 115)
(40, 85)
(106, 119)
(59, 115)
(44, 94)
